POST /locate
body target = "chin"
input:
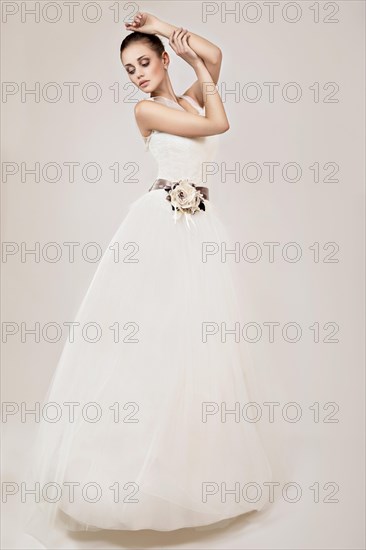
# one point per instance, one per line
(145, 88)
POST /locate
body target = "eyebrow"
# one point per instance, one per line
(138, 59)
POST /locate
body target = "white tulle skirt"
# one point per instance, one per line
(134, 418)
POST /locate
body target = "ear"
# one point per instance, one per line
(166, 59)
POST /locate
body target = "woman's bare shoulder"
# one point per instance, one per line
(142, 107)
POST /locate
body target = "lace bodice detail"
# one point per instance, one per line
(180, 157)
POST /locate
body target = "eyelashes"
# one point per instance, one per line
(143, 65)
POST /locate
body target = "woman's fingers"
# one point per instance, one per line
(171, 38)
(172, 41)
(178, 40)
(137, 19)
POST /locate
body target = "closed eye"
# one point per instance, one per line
(142, 64)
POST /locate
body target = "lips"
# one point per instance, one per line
(144, 82)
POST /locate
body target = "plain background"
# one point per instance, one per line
(306, 212)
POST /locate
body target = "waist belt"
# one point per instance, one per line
(161, 183)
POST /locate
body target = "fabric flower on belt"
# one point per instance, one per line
(185, 199)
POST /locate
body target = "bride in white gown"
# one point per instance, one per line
(147, 443)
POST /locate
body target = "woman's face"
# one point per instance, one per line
(143, 66)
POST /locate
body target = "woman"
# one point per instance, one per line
(165, 449)
(148, 70)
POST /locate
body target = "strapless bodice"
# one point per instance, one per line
(179, 157)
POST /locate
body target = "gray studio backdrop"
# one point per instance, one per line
(288, 179)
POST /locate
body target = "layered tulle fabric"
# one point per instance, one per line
(150, 430)
(157, 447)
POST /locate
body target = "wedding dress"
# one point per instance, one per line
(151, 442)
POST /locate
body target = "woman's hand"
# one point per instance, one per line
(143, 22)
(179, 42)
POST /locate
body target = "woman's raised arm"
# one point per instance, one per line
(210, 54)
(154, 116)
